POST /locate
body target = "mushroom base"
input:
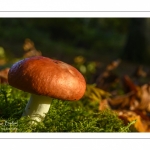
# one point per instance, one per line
(37, 107)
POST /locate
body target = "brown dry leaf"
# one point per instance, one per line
(104, 104)
(113, 65)
(128, 116)
(139, 125)
(4, 75)
(30, 49)
(107, 77)
(139, 72)
(137, 98)
(28, 45)
(32, 53)
(134, 103)
(144, 97)
(122, 101)
(141, 96)
(129, 85)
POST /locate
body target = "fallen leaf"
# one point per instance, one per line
(29, 49)
(4, 75)
(129, 116)
(95, 94)
(104, 105)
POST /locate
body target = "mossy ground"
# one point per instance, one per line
(63, 116)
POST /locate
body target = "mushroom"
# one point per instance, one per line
(46, 79)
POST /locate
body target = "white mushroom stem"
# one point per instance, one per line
(37, 107)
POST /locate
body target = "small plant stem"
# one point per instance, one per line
(37, 107)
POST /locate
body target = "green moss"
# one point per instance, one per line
(63, 116)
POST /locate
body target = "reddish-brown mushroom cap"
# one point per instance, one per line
(44, 76)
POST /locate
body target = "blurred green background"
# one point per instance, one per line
(94, 39)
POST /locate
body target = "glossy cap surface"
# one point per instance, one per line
(44, 76)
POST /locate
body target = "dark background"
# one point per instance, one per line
(92, 37)
(95, 39)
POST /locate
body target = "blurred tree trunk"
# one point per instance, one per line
(135, 49)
